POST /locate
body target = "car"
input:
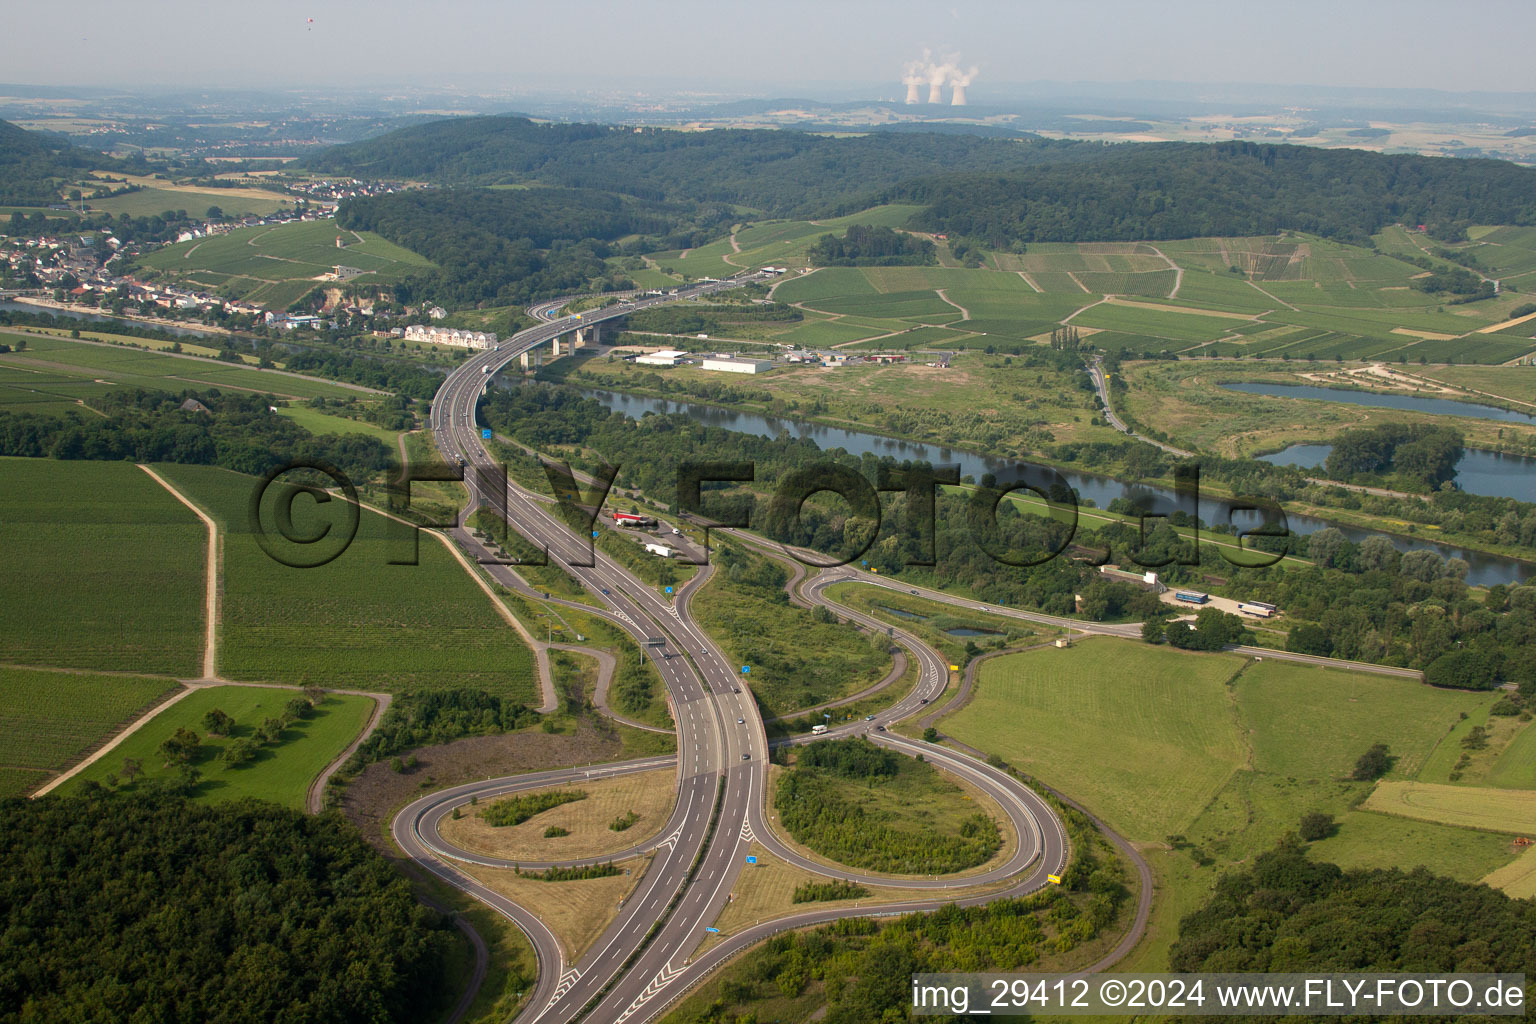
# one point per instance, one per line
(735, 689)
(869, 718)
(605, 590)
(879, 728)
(746, 757)
(911, 591)
(923, 701)
(741, 721)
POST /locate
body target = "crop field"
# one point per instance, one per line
(1494, 810)
(1166, 715)
(1517, 878)
(49, 720)
(270, 263)
(1154, 283)
(356, 622)
(1187, 327)
(279, 772)
(65, 370)
(103, 569)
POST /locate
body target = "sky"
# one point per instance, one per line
(773, 48)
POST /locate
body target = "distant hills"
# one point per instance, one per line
(998, 190)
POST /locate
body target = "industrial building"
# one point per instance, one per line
(730, 364)
(665, 357)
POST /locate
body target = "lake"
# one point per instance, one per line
(1479, 472)
(1411, 403)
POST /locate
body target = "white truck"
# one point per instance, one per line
(817, 730)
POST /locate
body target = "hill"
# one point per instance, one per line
(36, 167)
(781, 171)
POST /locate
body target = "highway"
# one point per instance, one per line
(634, 970)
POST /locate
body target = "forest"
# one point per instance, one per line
(1188, 190)
(237, 432)
(140, 907)
(1289, 913)
(865, 246)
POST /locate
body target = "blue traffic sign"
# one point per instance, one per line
(713, 931)
(751, 860)
(746, 670)
(826, 714)
(669, 590)
(594, 533)
(485, 433)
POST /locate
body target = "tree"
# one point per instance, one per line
(1316, 825)
(240, 751)
(1152, 631)
(1326, 546)
(217, 723)
(132, 768)
(1376, 553)
(930, 735)
(1423, 565)
(315, 695)
(1463, 669)
(1372, 764)
(181, 747)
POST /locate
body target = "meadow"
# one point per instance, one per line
(356, 622)
(280, 773)
(1217, 757)
(49, 720)
(55, 373)
(103, 569)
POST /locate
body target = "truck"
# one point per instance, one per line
(485, 369)
(1258, 609)
(817, 730)
(1191, 596)
(631, 519)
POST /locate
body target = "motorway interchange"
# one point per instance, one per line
(646, 958)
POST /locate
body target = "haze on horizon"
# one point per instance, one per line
(789, 48)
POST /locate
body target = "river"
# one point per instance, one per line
(103, 318)
(1485, 569)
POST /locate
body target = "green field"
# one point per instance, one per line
(53, 374)
(280, 773)
(356, 622)
(1166, 715)
(49, 720)
(277, 264)
(317, 422)
(103, 569)
(1211, 765)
